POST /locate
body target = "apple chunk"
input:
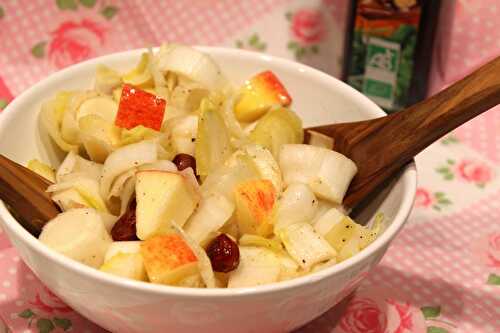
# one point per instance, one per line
(255, 207)
(168, 259)
(259, 94)
(162, 198)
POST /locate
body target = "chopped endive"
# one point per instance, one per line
(289, 268)
(137, 134)
(78, 234)
(350, 249)
(336, 228)
(345, 235)
(127, 247)
(210, 215)
(272, 244)
(51, 115)
(204, 265)
(257, 266)
(42, 169)
(124, 159)
(327, 172)
(140, 76)
(69, 199)
(306, 246)
(368, 235)
(87, 188)
(180, 134)
(276, 128)
(102, 106)
(127, 265)
(297, 204)
(97, 137)
(106, 80)
(320, 140)
(191, 63)
(265, 164)
(213, 145)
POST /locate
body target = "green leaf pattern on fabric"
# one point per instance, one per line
(435, 329)
(449, 140)
(109, 12)
(38, 50)
(88, 3)
(45, 325)
(441, 200)
(66, 4)
(26, 314)
(493, 279)
(446, 170)
(431, 311)
(63, 323)
(253, 43)
(3, 103)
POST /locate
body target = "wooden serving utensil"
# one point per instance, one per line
(381, 147)
(25, 194)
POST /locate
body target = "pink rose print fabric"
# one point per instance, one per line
(363, 315)
(308, 26)
(5, 95)
(474, 172)
(380, 310)
(487, 251)
(73, 42)
(423, 198)
(46, 301)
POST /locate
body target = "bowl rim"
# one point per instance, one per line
(409, 178)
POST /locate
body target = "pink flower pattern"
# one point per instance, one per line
(308, 26)
(48, 302)
(405, 316)
(380, 310)
(493, 252)
(474, 172)
(363, 315)
(74, 42)
(423, 198)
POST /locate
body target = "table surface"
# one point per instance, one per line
(442, 274)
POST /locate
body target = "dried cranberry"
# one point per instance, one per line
(184, 161)
(224, 254)
(124, 229)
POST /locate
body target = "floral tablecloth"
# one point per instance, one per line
(442, 274)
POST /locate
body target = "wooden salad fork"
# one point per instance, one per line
(24, 192)
(380, 147)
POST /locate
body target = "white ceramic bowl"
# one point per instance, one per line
(121, 305)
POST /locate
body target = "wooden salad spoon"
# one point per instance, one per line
(380, 147)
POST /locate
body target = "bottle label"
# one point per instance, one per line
(381, 69)
(382, 50)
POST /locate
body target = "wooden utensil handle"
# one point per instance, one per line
(388, 143)
(423, 123)
(24, 192)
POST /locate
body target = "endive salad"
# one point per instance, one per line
(175, 175)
